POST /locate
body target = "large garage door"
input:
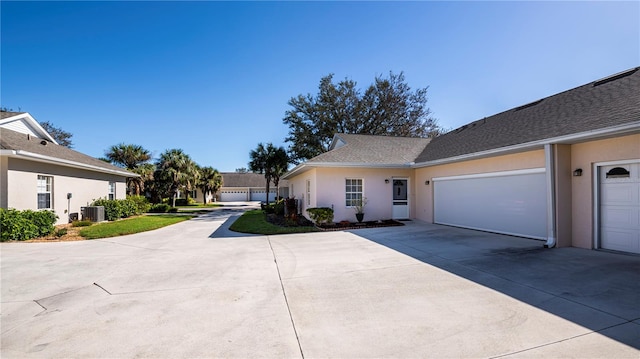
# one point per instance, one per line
(261, 195)
(620, 207)
(511, 202)
(233, 195)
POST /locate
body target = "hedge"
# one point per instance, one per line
(122, 208)
(321, 215)
(22, 225)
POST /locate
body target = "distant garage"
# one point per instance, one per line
(511, 202)
(261, 195)
(234, 195)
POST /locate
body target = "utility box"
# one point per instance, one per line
(73, 217)
(93, 214)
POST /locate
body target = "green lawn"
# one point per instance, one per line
(131, 226)
(254, 222)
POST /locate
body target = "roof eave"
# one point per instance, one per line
(32, 122)
(308, 166)
(629, 128)
(67, 163)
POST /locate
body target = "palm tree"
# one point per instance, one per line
(270, 160)
(133, 158)
(210, 181)
(174, 169)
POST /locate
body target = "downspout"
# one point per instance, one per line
(549, 159)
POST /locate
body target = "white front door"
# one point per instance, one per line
(400, 199)
(620, 207)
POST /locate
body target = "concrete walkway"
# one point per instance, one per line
(194, 290)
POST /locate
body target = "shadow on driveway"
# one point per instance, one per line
(595, 289)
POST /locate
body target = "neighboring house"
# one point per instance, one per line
(564, 169)
(36, 173)
(237, 186)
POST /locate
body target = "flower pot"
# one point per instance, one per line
(360, 217)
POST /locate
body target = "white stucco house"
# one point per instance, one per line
(564, 169)
(39, 174)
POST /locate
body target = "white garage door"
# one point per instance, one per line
(513, 202)
(261, 195)
(620, 207)
(233, 195)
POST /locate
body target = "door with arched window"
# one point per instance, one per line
(400, 209)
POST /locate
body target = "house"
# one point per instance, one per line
(37, 173)
(564, 169)
(248, 186)
(241, 187)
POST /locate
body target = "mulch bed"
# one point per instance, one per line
(301, 221)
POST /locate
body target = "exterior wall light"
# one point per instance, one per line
(577, 172)
(386, 180)
(426, 182)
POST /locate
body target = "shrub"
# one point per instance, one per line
(141, 202)
(160, 208)
(112, 208)
(81, 223)
(128, 208)
(173, 210)
(321, 215)
(61, 232)
(23, 225)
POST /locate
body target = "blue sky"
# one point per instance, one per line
(214, 78)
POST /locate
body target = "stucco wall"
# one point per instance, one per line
(85, 186)
(328, 190)
(424, 192)
(584, 155)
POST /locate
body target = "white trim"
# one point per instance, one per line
(578, 137)
(48, 159)
(595, 176)
(26, 116)
(491, 174)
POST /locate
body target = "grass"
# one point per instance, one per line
(255, 222)
(131, 226)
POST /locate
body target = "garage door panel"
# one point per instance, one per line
(233, 196)
(619, 214)
(511, 204)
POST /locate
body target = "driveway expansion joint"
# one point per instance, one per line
(286, 301)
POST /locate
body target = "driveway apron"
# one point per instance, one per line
(195, 289)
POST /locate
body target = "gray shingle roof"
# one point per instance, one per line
(373, 150)
(7, 114)
(601, 104)
(12, 140)
(249, 179)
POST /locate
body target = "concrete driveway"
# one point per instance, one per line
(196, 290)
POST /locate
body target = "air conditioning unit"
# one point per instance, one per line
(93, 214)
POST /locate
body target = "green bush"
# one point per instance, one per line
(160, 208)
(112, 208)
(173, 210)
(81, 223)
(141, 202)
(321, 215)
(22, 225)
(61, 232)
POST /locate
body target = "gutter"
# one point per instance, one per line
(583, 136)
(48, 159)
(307, 165)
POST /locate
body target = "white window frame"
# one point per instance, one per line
(45, 186)
(350, 194)
(111, 195)
(308, 193)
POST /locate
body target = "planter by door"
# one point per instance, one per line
(359, 216)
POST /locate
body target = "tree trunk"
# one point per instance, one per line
(268, 191)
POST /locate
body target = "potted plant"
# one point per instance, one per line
(358, 205)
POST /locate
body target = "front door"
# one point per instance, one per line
(400, 199)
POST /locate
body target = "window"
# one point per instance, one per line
(44, 192)
(194, 193)
(112, 190)
(353, 191)
(308, 193)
